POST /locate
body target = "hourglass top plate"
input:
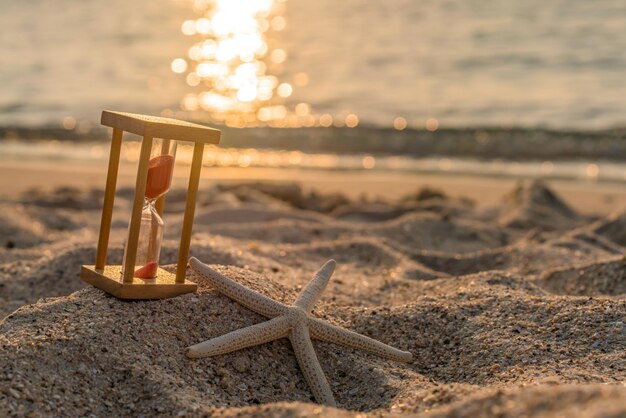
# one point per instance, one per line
(158, 127)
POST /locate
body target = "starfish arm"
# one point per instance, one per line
(324, 331)
(249, 298)
(310, 365)
(242, 338)
(312, 292)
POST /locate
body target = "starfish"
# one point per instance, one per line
(294, 322)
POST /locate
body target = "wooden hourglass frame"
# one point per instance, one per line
(112, 279)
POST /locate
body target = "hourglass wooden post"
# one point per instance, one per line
(124, 281)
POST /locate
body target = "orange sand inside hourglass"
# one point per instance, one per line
(148, 271)
(159, 180)
(159, 175)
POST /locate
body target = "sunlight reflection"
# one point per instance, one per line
(234, 69)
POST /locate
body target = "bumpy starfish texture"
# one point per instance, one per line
(294, 322)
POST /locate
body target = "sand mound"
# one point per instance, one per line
(493, 314)
(288, 193)
(52, 275)
(606, 278)
(424, 200)
(527, 256)
(285, 231)
(537, 206)
(65, 197)
(18, 230)
(613, 228)
(427, 231)
(250, 213)
(544, 401)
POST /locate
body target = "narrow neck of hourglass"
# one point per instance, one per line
(150, 210)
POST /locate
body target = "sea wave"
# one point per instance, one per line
(514, 153)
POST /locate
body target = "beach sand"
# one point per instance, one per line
(512, 300)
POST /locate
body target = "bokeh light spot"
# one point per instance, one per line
(278, 56)
(285, 90)
(69, 123)
(179, 65)
(368, 162)
(278, 23)
(432, 124)
(326, 120)
(302, 109)
(592, 171)
(203, 26)
(399, 123)
(193, 79)
(352, 120)
(188, 27)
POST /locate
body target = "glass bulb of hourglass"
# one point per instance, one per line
(158, 182)
(149, 245)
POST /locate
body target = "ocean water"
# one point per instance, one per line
(70, 152)
(557, 63)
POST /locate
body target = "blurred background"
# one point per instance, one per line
(507, 89)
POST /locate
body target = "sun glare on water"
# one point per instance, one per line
(233, 73)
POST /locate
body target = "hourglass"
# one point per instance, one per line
(140, 276)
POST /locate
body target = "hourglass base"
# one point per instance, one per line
(161, 287)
